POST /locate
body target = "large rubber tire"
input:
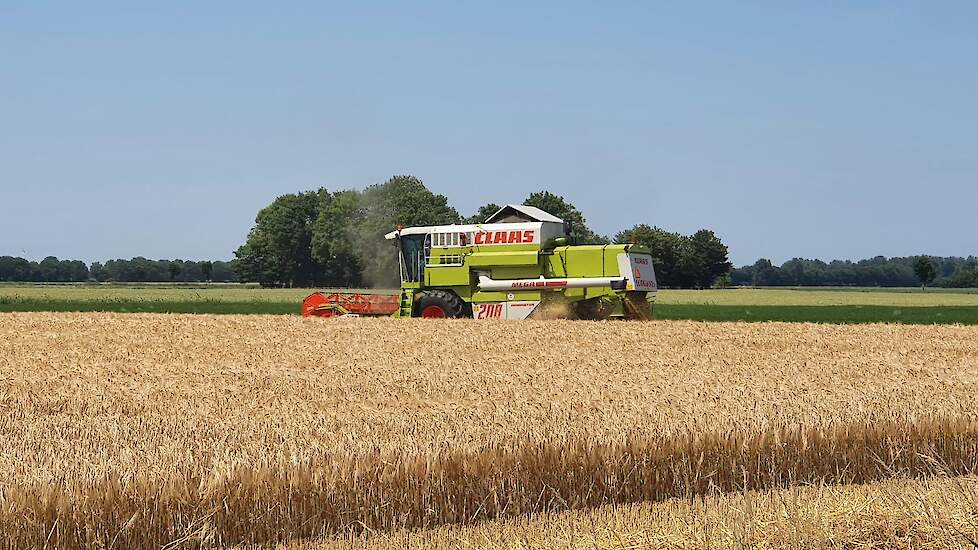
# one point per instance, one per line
(436, 304)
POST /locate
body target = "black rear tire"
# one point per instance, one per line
(440, 304)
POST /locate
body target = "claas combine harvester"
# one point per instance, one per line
(519, 264)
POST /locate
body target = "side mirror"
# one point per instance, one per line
(567, 228)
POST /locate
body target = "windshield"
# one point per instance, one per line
(412, 257)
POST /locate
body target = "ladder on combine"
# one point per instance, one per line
(407, 304)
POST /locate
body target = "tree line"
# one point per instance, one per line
(908, 271)
(140, 269)
(135, 270)
(336, 239)
(48, 270)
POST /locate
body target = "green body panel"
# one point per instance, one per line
(503, 258)
(442, 276)
(587, 261)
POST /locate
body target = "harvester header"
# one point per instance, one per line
(520, 263)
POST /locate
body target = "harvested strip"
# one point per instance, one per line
(938, 513)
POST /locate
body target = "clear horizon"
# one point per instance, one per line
(817, 132)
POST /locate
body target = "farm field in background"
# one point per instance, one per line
(898, 297)
(149, 292)
(816, 305)
(139, 430)
(231, 292)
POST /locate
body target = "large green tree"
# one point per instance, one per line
(333, 240)
(206, 270)
(925, 270)
(560, 207)
(764, 273)
(707, 257)
(254, 261)
(278, 251)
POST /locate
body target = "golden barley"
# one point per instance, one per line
(137, 430)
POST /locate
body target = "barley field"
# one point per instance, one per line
(189, 430)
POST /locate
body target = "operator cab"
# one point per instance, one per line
(413, 249)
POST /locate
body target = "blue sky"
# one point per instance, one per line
(836, 130)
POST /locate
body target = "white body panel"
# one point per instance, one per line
(507, 233)
(504, 310)
(637, 268)
(489, 234)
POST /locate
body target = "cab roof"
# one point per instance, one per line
(524, 213)
(460, 228)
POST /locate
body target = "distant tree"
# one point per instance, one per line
(560, 207)
(206, 270)
(963, 278)
(877, 271)
(95, 271)
(139, 270)
(223, 272)
(76, 270)
(136, 269)
(765, 273)
(14, 269)
(923, 267)
(49, 270)
(483, 213)
(724, 281)
(742, 276)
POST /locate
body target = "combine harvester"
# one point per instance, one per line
(519, 264)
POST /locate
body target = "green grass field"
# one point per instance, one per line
(813, 305)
